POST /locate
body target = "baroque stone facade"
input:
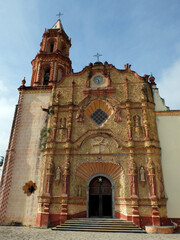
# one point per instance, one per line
(96, 144)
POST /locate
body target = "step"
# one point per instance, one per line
(98, 225)
(98, 230)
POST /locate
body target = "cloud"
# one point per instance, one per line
(170, 85)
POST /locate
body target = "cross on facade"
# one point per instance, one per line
(97, 55)
(59, 14)
(99, 142)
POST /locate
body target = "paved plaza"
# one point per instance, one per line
(27, 233)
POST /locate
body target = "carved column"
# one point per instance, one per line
(133, 179)
(65, 189)
(54, 122)
(129, 124)
(145, 120)
(49, 176)
(153, 191)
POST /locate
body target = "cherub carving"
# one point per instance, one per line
(80, 115)
(117, 115)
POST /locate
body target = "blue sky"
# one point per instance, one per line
(144, 33)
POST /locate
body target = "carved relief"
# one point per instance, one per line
(137, 128)
(61, 131)
(57, 97)
(58, 175)
(117, 114)
(80, 115)
(151, 177)
(98, 144)
(142, 176)
(133, 178)
(49, 176)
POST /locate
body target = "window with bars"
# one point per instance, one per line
(99, 116)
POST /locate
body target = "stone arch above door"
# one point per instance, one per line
(87, 169)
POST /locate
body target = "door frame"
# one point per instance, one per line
(87, 189)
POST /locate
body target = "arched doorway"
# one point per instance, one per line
(100, 204)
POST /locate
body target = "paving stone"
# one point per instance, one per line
(28, 233)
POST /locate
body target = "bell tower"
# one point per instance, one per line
(52, 62)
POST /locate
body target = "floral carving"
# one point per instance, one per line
(29, 188)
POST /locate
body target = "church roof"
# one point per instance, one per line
(58, 25)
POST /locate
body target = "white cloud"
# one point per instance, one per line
(170, 84)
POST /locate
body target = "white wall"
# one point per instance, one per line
(27, 165)
(169, 135)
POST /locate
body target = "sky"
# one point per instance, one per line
(143, 33)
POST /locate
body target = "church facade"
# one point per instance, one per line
(87, 144)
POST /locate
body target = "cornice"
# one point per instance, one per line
(168, 113)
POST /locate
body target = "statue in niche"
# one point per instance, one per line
(142, 177)
(58, 174)
(117, 115)
(80, 115)
(137, 126)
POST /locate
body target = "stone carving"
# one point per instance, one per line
(99, 144)
(117, 115)
(137, 127)
(57, 97)
(61, 131)
(80, 115)
(49, 176)
(58, 174)
(151, 177)
(133, 178)
(142, 174)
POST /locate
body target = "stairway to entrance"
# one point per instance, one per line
(98, 225)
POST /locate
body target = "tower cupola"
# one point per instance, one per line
(52, 62)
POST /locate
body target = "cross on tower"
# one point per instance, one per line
(59, 14)
(97, 55)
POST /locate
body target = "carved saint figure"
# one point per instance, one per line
(80, 115)
(58, 173)
(117, 115)
(142, 174)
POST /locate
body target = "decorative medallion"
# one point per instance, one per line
(29, 188)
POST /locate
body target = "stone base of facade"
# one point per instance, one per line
(45, 220)
(159, 229)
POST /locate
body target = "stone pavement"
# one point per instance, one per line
(27, 233)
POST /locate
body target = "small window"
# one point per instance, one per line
(59, 75)
(99, 116)
(51, 47)
(64, 50)
(46, 76)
